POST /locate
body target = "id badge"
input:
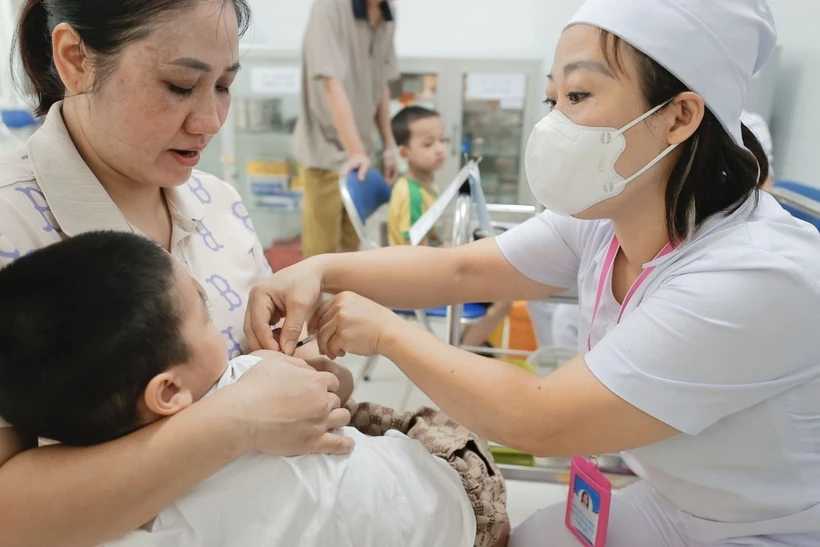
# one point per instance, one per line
(590, 494)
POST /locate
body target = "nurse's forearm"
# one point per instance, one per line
(488, 397)
(396, 277)
(405, 277)
(67, 497)
(566, 413)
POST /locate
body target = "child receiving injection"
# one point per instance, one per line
(104, 333)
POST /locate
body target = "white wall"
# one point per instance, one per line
(7, 9)
(796, 117)
(438, 28)
(278, 23)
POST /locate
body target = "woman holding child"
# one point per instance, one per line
(133, 91)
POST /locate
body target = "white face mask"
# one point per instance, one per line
(571, 167)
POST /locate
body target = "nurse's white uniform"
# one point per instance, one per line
(722, 339)
(722, 342)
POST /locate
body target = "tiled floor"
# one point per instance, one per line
(389, 386)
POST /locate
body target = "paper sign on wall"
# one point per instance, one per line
(276, 80)
(512, 103)
(508, 88)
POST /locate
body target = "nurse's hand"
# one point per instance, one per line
(286, 407)
(349, 323)
(291, 294)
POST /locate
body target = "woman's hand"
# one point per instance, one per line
(349, 323)
(287, 408)
(291, 294)
(346, 382)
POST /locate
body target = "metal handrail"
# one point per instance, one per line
(497, 351)
(556, 475)
(511, 209)
(461, 236)
(804, 204)
(563, 299)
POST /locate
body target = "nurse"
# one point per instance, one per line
(699, 294)
(133, 92)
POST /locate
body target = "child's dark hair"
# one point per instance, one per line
(85, 324)
(401, 122)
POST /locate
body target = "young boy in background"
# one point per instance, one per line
(419, 135)
(420, 138)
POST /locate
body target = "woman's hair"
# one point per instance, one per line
(713, 174)
(105, 27)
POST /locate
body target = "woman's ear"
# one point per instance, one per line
(166, 395)
(688, 109)
(71, 59)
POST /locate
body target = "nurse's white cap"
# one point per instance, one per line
(712, 46)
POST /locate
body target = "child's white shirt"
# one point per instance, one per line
(389, 492)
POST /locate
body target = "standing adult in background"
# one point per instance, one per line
(348, 58)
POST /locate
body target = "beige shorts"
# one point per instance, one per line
(326, 227)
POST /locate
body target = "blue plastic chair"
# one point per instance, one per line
(14, 122)
(362, 198)
(18, 119)
(470, 312)
(809, 192)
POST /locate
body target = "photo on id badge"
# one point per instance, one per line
(586, 507)
(588, 503)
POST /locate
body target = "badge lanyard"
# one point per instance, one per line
(609, 261)
(590, 492)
